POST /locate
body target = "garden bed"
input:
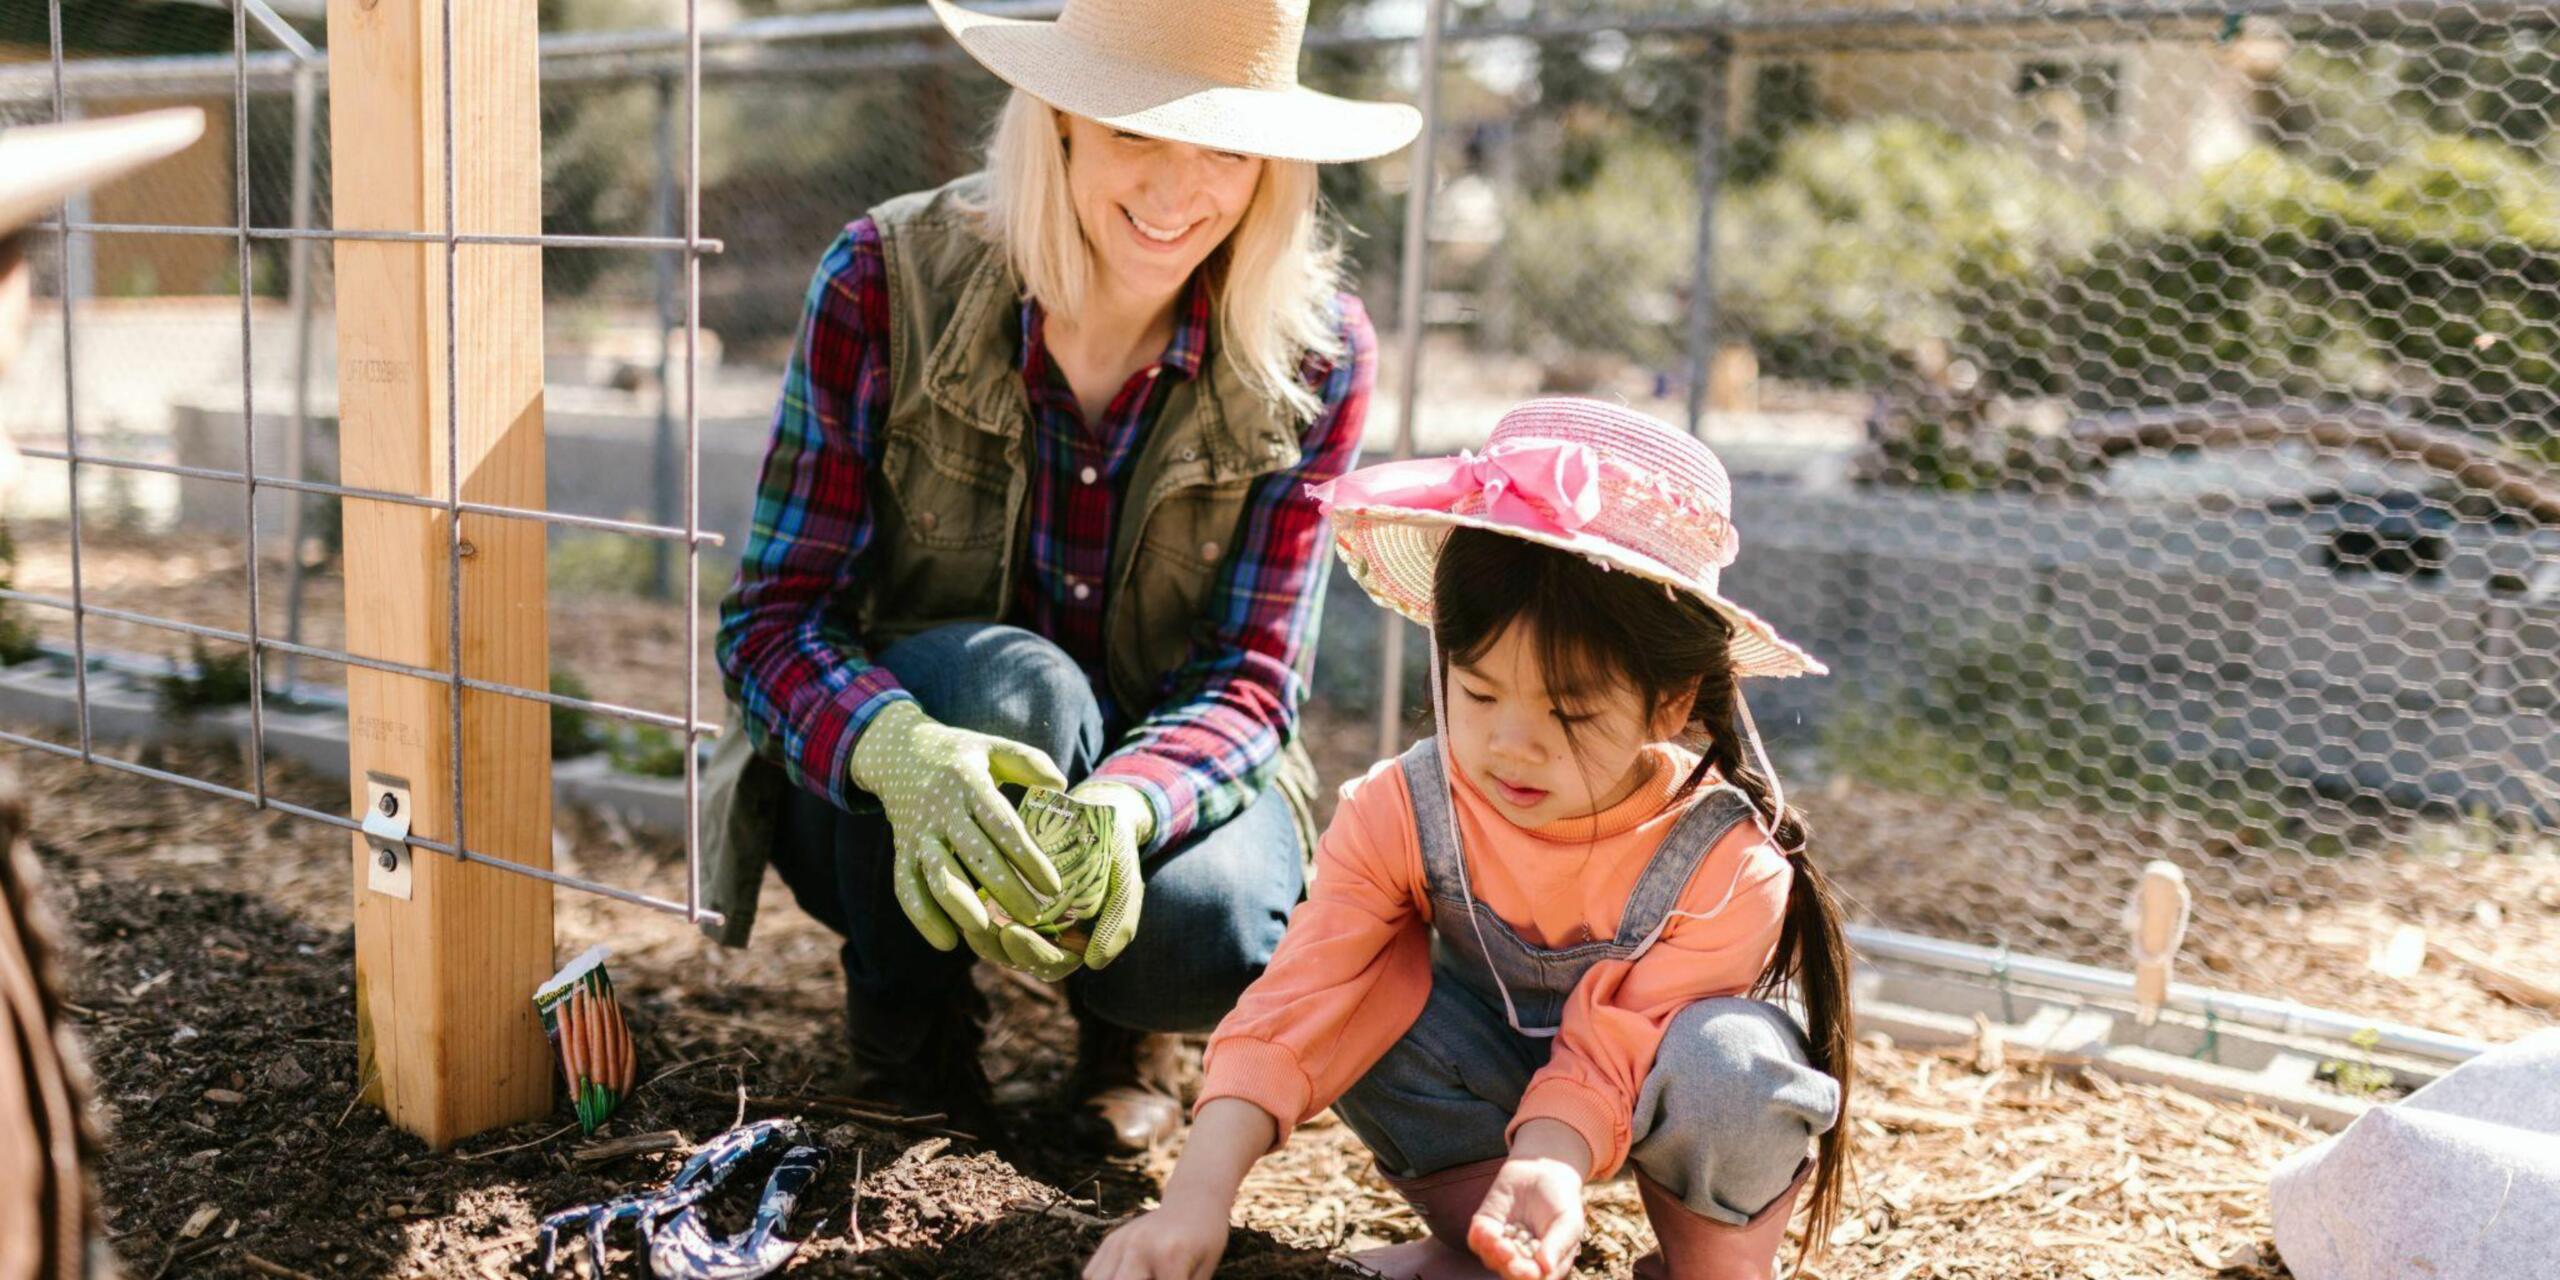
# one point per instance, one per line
(213, 954)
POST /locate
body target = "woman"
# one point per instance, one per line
(1035, 513)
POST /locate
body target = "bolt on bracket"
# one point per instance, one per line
(386, 834)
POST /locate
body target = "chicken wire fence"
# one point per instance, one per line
(2147, 409)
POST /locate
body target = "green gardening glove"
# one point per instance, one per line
(954, 834)
(1110, 881)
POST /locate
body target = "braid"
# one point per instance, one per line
(1812, 956)
(1715, 718)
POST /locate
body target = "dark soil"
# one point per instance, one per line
(228, 1082)
(211, 969)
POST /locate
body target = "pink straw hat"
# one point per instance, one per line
(1609, 484)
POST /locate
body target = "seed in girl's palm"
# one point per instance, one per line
(1518, 1237)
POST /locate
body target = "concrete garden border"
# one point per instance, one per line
(311, 732)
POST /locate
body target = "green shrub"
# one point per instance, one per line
(2429, 277)
(1868, 241)
(600, 564)
(1599, 267)
(209, 680)
(17, 639)
(2012, 710)
(649, 751)
(593, 564)
(2432, 280)
(573, 731)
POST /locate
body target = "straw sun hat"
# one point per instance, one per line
(1602, 481)
(41, 165)
(1221, 74)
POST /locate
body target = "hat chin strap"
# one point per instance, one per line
(1458, 844)
(1777, 786)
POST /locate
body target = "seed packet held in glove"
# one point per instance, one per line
(584, 1022)
(1076, 834)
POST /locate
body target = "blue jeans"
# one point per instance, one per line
(1723, 1120)
(1215, 904)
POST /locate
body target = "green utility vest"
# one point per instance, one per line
(947, 513)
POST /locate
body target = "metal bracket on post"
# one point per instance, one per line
(386, 832)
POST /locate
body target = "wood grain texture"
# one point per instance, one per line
(445, 1021)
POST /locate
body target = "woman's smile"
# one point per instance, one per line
(1158, 237)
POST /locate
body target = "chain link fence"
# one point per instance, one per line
(2150, 410)
(2147, 411)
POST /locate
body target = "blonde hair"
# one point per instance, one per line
(1274, 279)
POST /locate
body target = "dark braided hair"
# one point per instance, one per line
(1666, 646)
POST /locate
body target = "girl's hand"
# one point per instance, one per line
(1182, 1240)
(1530, 1224)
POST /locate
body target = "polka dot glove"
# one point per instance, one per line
(955, 835)
(1112, 880)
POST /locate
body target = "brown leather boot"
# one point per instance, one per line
(1127, 1085)
(1447, 1202)
(920, 1057)
(1697, 1247)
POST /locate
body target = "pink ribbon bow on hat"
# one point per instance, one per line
(1549, 486)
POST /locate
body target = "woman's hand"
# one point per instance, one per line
(1182, 1240)
(953, 833)
(1530, 1224)
(1115, 917)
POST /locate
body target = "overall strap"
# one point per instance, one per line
(1667, 875)
(1426, 781)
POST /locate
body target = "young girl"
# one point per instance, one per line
(1536, 946)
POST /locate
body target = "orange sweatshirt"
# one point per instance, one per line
(1355, 967)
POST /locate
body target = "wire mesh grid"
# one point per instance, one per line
(451, 237)
(2145, 407)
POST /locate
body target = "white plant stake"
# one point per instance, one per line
(2156, 917)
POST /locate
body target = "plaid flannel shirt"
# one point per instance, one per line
(805, 684)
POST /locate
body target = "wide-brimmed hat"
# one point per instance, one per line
(41, 165)
(1600, 480)
(1216, 73)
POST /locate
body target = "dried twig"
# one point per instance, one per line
(182, 1249)
(689, 1065)
(1058, 1209)
(843, 1108)
(853, 1207)
(257, 1263)
(467, 1157)
(633, 1145)
(2502, 979)
(363, 1082)
(1043, 992)
(2003, 1187)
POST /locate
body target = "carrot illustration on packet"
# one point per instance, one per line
(586, 1027)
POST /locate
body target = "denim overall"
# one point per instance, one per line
(1724, 1118)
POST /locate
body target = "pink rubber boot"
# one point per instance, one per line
(1446, 1200)
(1697, 1247)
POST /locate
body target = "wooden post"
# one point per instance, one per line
(445, 1025)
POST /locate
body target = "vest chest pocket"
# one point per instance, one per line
(1188, 536)
(950, 496)
(944, 540)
